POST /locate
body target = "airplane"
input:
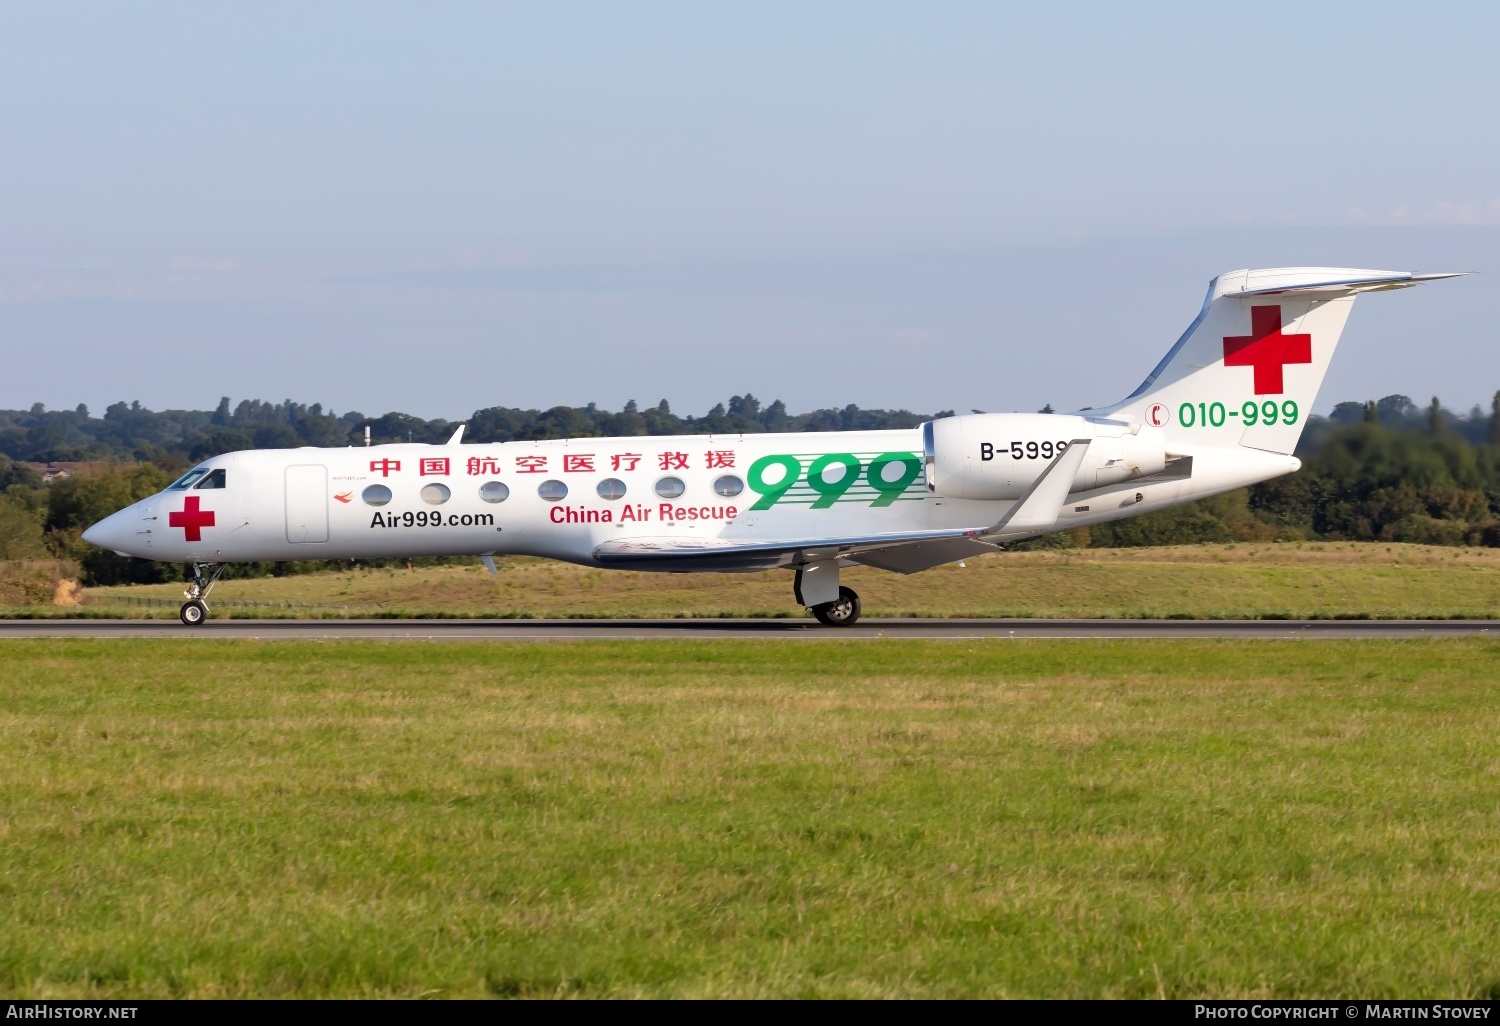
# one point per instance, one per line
(1222, 410)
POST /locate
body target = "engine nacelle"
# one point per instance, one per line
(999, 455)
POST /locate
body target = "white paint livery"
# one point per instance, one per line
(1223, 410)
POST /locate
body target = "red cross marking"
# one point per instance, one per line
(1266, 349)
(192, 519)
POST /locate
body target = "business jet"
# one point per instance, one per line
(1223, 409)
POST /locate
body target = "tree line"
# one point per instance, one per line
(176, 439)
(1386, 470)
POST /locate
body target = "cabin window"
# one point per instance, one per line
(435, 494)
(494, 491)
(213, 479)
(552, 491)
(186, 480)
(728, 486)
(670, 487)
(611, 488)
(376, 495)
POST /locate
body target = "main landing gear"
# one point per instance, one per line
(817, 587)
(841, 612)
(205, 575)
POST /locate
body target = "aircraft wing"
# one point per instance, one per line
(1034, 513)
(764, 554)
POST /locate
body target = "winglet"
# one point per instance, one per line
(489, 562)
(457, 435)
(1036, 511)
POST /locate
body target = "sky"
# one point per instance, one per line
(436, 207)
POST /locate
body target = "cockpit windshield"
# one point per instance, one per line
(213, 479)
(186, 480)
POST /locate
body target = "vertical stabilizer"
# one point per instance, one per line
(1248, 369)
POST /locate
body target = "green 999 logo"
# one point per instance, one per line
(821, 480)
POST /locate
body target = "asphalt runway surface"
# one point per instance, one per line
(788, 629)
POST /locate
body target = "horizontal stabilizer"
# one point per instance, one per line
(1266, 283)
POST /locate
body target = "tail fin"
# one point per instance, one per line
(1248, 369)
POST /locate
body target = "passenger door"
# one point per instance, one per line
(307, 503)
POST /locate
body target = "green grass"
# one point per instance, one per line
(1296, 580)
(206, 818)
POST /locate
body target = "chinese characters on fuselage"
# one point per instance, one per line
(567, 463)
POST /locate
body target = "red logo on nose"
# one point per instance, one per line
(192, 520)
(1266, 349)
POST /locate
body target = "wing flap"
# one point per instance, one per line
(915, 557)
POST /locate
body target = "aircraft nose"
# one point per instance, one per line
(116, 532)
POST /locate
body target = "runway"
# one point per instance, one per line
(790, 630)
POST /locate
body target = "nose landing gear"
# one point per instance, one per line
(205, 575)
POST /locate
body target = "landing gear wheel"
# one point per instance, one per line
(205, 576)
(841, 612)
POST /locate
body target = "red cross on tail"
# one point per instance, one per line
(191, 519)
(1266, 349)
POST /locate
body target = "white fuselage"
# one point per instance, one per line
(380, 501)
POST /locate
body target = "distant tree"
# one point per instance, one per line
(1372, 414)
(215, 441)
(1495, 420)
(1435, 416)
(1047, 409)
(82, 410)
(746, 405)
(1347, 413)
(561, 422)
(21, 529)
(663, 408)
(774, 417)
(13, 473)
(276, 436)
(1395, 410)
(320, 431)
(630, 407)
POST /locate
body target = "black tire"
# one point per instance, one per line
(841, 612)
(193, 613)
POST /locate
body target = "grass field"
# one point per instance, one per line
(205, 818)
(1215, 581)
